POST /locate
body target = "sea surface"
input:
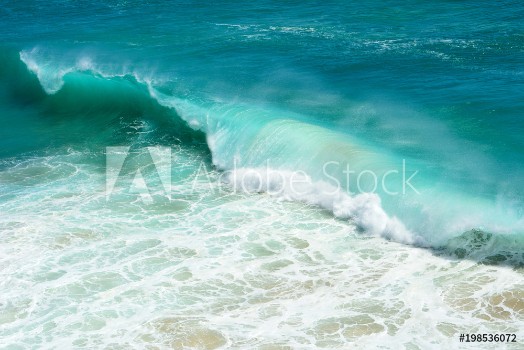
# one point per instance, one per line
(261, 175)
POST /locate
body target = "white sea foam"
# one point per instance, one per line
(363, 209)
(50, 77)
(51, 70)
(222, 270)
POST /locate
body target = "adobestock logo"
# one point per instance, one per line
(392, 182)
(145, 174)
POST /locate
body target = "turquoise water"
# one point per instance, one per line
(259, 92)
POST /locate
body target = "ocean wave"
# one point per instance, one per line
(242, 138)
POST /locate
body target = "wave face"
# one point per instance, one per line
(367, 157)
(429, 211)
